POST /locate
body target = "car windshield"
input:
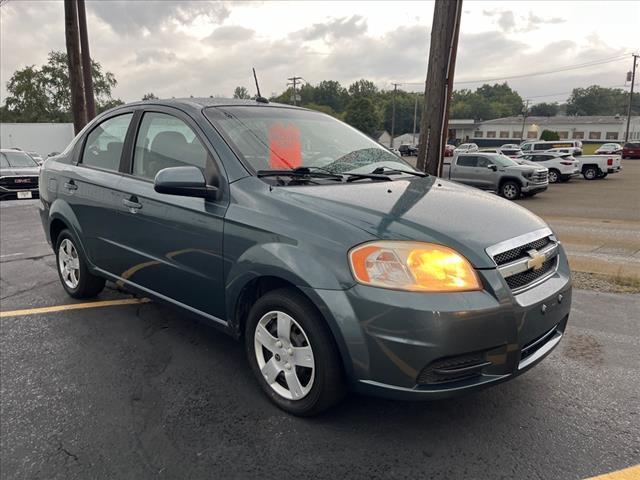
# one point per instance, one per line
(503, 161)
(18, 159)
(287, 138)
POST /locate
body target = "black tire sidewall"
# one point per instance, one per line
(326, 389)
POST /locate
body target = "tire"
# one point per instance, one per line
(319, 379)
(510, 190)
(72, 269)
(590, 173)
(554, 176)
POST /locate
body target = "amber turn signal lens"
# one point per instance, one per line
(413, 266)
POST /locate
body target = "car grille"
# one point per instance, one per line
(18, 183)
(523, 279)
(527, 264)
(540, 176)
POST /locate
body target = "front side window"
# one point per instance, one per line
(17, 160)
(165, 141)
(503, 161)
(484, 162)
(286, 138)
(104, 144)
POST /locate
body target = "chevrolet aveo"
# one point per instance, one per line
(338, 264)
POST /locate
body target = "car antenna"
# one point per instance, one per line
(259, 98)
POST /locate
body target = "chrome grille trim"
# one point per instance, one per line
(522, 264)
(518, 241)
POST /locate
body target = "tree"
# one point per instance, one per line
(361, 113)
(44, 94)
(363, 88)
(486, 103)
(331, 93)
(549, 135)
(596, 100)
(149, 96)
(544, 109)
(241, 93)
(322, 108)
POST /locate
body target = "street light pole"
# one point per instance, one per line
(633, 79)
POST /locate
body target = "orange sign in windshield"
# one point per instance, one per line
(285, 149)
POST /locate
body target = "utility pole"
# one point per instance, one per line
(86, 62)
(633, 79)
(393, 112)
(415, 116)
(75, 69)
(446, 20)
(294, 82)
(524, 119)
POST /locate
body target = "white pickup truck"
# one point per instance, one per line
(592, 167)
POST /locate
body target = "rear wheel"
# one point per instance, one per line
(510, 190)
(590, 173)
(292, 353)
(554, 176)
(73, 270)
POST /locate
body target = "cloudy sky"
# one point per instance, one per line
(200, 48)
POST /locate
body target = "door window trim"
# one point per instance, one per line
(117, 113)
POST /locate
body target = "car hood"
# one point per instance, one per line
(16, 172)
(524, 168)
(423, 209)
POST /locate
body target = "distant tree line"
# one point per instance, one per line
(42, 94)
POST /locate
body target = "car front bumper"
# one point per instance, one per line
(534, 187)
(403, 345)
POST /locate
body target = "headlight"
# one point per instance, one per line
(412, 266)
(527, 174)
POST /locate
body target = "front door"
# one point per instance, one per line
(173, 243)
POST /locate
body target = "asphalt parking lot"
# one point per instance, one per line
(141, 391)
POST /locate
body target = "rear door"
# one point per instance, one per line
(90, 187)
(466, 169)
(172, 245)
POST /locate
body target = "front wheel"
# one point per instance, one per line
(73, 270)
(292, 353)
(554, 176)
(510, 190)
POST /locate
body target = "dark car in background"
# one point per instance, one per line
(338, 264)
(631, 150)
(18, 175)
(407, 150)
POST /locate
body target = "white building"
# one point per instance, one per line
(592, 129)
(43, 138)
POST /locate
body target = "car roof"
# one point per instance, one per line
(203, 102)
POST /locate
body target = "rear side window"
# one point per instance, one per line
(165, 141)
(541, 146)
(104, 144)
(467, 161)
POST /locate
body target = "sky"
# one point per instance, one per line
(200, 48)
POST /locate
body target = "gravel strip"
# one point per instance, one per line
(592, 281)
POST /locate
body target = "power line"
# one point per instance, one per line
(566, 68)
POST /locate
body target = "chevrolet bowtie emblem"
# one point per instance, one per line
(537, 259)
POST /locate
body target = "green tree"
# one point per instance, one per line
(597, 100)
(44, 94)
(322, 108)
(361, 113)
(549, 135)
(331, 93)
(486, 103)
(149, 96)
(241, 93)
(544, 109)
(405, 105)
(363, 88)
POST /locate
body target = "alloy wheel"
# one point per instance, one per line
(510, 191)
(69, 263)
(284, 355)
(553, 177)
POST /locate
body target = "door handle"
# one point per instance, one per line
(132, 204)
(70, 185)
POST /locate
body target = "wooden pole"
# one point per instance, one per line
(87, 76)
(445, 17)
(75, 69)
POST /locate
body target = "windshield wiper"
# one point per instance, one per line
(392, 171)
(352, 177)
(299, 172)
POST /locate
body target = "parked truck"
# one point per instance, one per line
(594, 167)
(497, 172)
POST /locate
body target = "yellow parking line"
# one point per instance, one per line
(631, 473)
(72, 306)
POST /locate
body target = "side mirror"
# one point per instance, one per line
(184, 181)
(493, 167)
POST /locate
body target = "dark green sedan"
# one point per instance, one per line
(338, 264)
